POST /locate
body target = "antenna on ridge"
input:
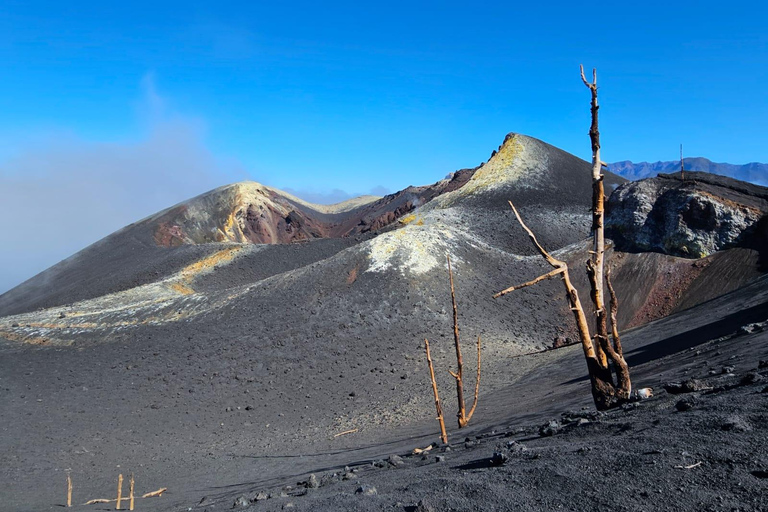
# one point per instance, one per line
(682, 167)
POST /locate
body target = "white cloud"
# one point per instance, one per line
(63, 193)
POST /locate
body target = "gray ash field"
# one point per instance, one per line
(185, 351)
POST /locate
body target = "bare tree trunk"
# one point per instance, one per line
(459, 361)
(462, 415)
(438, 407)
(598, 229)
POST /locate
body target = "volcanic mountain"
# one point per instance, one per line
(201, 345)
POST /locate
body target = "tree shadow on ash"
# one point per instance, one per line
(477, 464)
(726, 326)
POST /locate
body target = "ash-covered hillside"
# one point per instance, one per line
(246, 324)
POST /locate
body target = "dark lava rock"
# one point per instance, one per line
(728, 369)
(687, 386)
(366, 490)
(686, 404)
(499, 458)
(751, 378)
(736, 423)
(241, 502)
(762, 364)
(440, 458)
(551, 428)
(14, 324)
(395, 460)
(425, 505)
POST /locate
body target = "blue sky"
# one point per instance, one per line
(337, 98)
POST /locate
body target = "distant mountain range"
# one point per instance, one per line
(753, 172)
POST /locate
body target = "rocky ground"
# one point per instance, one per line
(642, 452)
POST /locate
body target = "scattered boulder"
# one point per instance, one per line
(499, 458)
(551, 428)
(751, 378)
(736, 423)
(687, 403)
(424, 505)
(312, 482)
(395, 461)
(241, 502)
(366, 490)
(728, 369)
(642, 393)
(687, 386)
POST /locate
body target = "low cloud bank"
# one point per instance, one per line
(59, 196)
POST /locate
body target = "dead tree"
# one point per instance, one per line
(596, 264)
(462, 415)
(597, 349)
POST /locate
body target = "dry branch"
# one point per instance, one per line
(548, 275)
(153, 494)
(438, 407)
(477, 383)
(351, 431)
(571, 293)
(614, 313)
(601, 379)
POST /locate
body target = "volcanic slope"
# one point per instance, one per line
(188, 358)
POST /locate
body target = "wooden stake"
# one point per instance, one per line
(440, 419)
(119, 491)
(69, 489)
(131, 493)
